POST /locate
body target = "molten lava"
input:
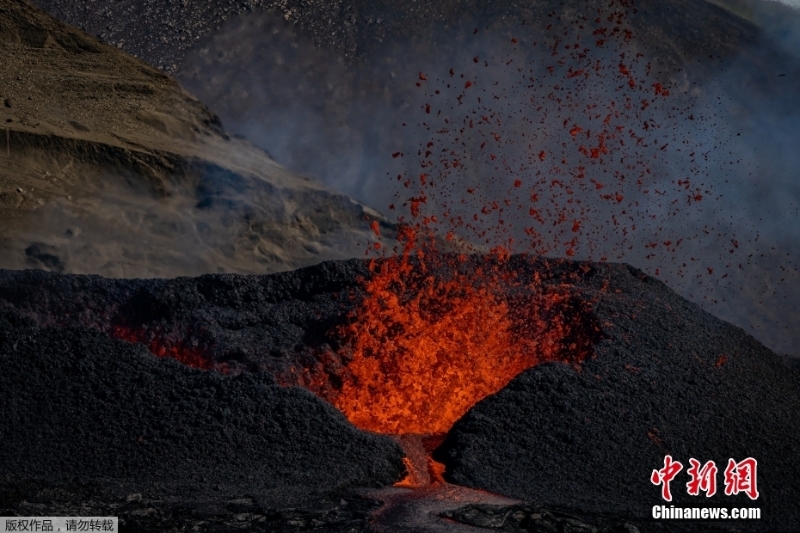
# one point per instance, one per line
(420, 363)
(433, 336)
(421, 469)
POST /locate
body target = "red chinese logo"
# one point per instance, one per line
(704, 479)
(739, 477)
(665, 475)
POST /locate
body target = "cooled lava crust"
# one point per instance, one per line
(91, 416)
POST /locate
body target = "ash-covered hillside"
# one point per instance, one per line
(109, 166)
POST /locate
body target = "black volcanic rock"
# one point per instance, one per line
(668, 379)
(254, 323)
(279, 324)
(79, 408)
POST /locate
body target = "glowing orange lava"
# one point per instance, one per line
(421, 469)
(430, 339)
(420, 364)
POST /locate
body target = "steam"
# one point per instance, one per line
(791, 3)
(702, 192)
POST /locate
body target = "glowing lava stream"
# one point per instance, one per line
(191, 357)
(422, 470)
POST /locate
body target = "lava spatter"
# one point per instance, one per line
(435, 333)
(189, 356)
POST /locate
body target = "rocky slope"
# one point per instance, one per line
(89, 425)
(667, 379)
(108, 166)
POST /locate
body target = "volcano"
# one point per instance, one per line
(636, 373)
(444, 383)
